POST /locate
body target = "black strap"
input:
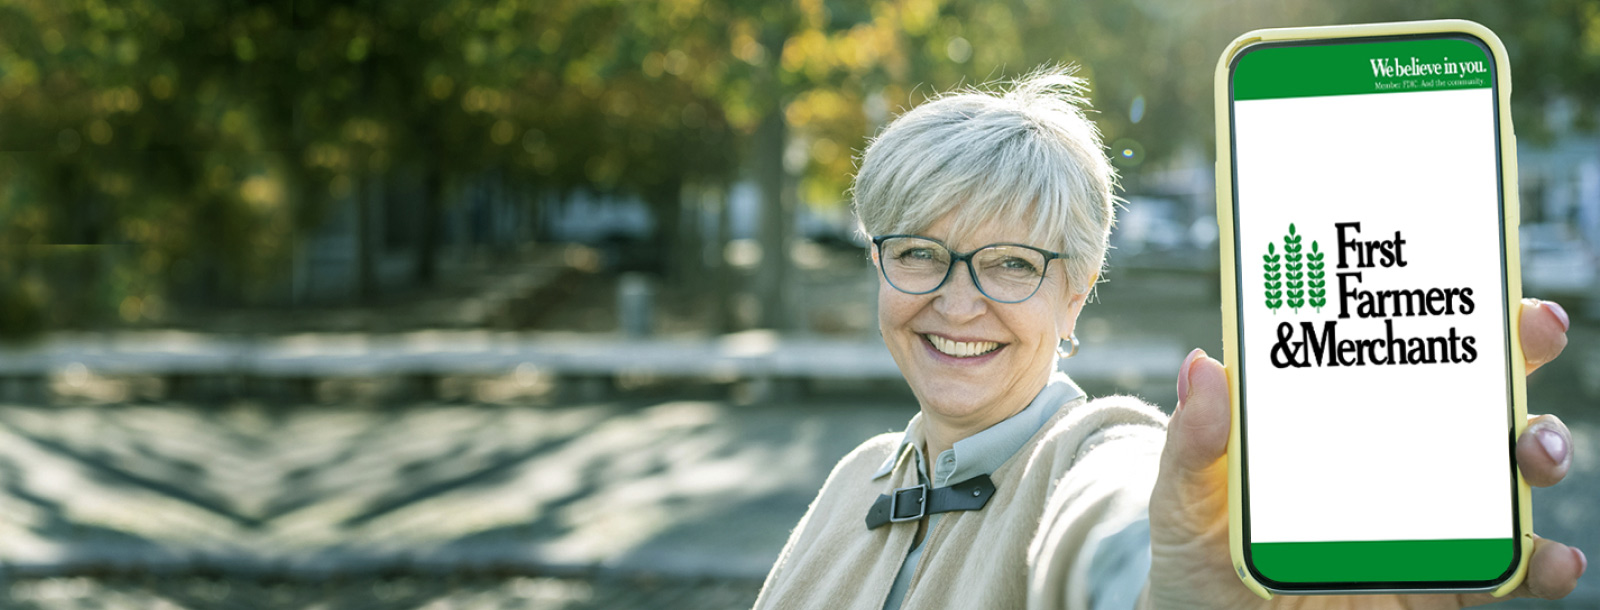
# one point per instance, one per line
(913, 503)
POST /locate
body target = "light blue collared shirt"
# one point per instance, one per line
(981, 453)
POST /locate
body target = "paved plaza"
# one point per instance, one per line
(507, 490)
(637, 502)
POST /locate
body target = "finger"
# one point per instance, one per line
(1553, 572)
(1544, 451)
(1544, 331)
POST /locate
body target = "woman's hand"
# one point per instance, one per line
(1190, 564)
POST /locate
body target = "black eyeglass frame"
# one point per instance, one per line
(956, 257)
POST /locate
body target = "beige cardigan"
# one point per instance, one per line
(1090, 464)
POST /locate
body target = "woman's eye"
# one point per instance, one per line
(1018, 264)
(921, 254)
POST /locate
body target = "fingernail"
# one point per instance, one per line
(1561, 314)
(1183, 374)
(1583, 562)
(1554, 445)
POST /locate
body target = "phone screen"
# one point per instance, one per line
(1375, 373)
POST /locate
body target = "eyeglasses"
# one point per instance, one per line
(1006, 273)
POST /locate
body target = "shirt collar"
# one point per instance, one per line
(985, 451)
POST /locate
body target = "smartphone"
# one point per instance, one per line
(1368, 219)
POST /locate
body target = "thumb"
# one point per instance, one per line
(1197, 435)
(1190, 565)
(1191, 493)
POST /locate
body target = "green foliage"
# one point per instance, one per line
(203, 137)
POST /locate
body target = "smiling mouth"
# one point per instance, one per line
(961, 349)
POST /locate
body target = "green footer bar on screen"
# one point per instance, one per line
(1383, 560)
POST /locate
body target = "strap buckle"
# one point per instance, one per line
(921, 500)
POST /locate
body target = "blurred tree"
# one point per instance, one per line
(202, 138)
(627, 101)
(187, 146)
(120, 138)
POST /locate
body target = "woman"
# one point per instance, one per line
(990, 215)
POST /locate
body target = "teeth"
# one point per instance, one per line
(961, 349)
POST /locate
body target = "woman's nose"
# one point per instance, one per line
(960, 298)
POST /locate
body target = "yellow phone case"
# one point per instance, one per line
(1225, 222)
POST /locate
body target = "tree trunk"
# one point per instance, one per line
(365, 278)
(777, 203)
(667, 206)
(723, 281)
(688, 256)
(297, 185)
(426, 267)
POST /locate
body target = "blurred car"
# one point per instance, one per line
(1150, 223)
(1556, 262)
(1163, 233)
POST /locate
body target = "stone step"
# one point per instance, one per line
(748, 355)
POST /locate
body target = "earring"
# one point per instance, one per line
(1071, 339)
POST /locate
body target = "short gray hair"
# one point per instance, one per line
(1024, 154)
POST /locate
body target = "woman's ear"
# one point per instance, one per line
(1067, 314)
(1089, 285)
(1079, 294)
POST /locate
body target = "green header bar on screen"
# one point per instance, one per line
(1428, 64)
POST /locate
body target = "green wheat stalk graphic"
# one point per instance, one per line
(1314, 273)
(1295, 278)
(1270, 274)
